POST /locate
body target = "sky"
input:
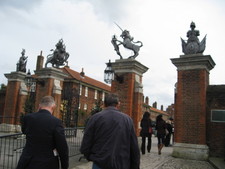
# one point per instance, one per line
(87, 26)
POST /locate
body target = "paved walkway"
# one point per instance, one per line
(154, 161)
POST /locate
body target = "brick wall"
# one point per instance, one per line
(191, 107)
(215, 130)
(11, 100)
(125, 92)
(42, 91)
(2, 101)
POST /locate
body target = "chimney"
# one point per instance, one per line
(161, 107)
(154, 105)
(147, 100)
(40, 61)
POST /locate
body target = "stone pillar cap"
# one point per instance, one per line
(195, 61)
(15, 76)
(51, 72)
(129, 66)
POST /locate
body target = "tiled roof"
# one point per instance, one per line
(76, 75)
(159, 111)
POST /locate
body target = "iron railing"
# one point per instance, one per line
(11, 146)
(10, 150)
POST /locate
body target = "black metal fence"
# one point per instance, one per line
(11, 146)
(10, 150)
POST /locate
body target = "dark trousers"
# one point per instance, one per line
(143, 143)
(161, 139)
(167, 140)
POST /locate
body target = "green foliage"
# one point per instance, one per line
(97, 108)
(29, 105)
(82, 113)
(3, 87)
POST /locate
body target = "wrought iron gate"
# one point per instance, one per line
(70, 105)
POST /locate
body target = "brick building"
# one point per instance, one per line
(90, 91)
(154, 111)
(215, 120)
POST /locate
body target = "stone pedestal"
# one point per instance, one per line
(190, 106)
(16, 95)
(127, 84)
(53, 81)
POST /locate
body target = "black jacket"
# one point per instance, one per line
(145, 125)
(110, 140)
(44, 133)
(161, 128)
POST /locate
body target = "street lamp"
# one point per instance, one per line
(31, 85)
(30, 80)
(108, 73)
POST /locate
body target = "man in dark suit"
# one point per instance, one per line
(110, 140)
(45, 139)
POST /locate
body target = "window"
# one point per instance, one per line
(103, 96)
(80, 90)
(79, 106)
(85, 106)
(96, 94)
(86, 91)
(218, 115)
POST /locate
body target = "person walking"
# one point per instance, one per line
(146, 132)
(45, 139)
(109, 138)
(168, 136)
(161, 132)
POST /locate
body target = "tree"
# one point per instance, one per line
(29, 106)
(97, 108)
(3, 87)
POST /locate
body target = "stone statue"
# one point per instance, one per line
(59, 56)
(22, 63)
(127, 43)
(193, 46)
(116, 46)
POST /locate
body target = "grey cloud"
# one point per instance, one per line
(20, 4)
(109, 10)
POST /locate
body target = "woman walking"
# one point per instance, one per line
(146, 132)
(161, 132)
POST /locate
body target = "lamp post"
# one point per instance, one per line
(82, 75)
(31, 83)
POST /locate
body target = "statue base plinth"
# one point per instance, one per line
(191, 151)
(10, 128)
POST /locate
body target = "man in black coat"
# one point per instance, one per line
(110, 140)
(45, 139)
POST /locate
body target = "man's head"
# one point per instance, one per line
(48, 103)
(111, 100)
